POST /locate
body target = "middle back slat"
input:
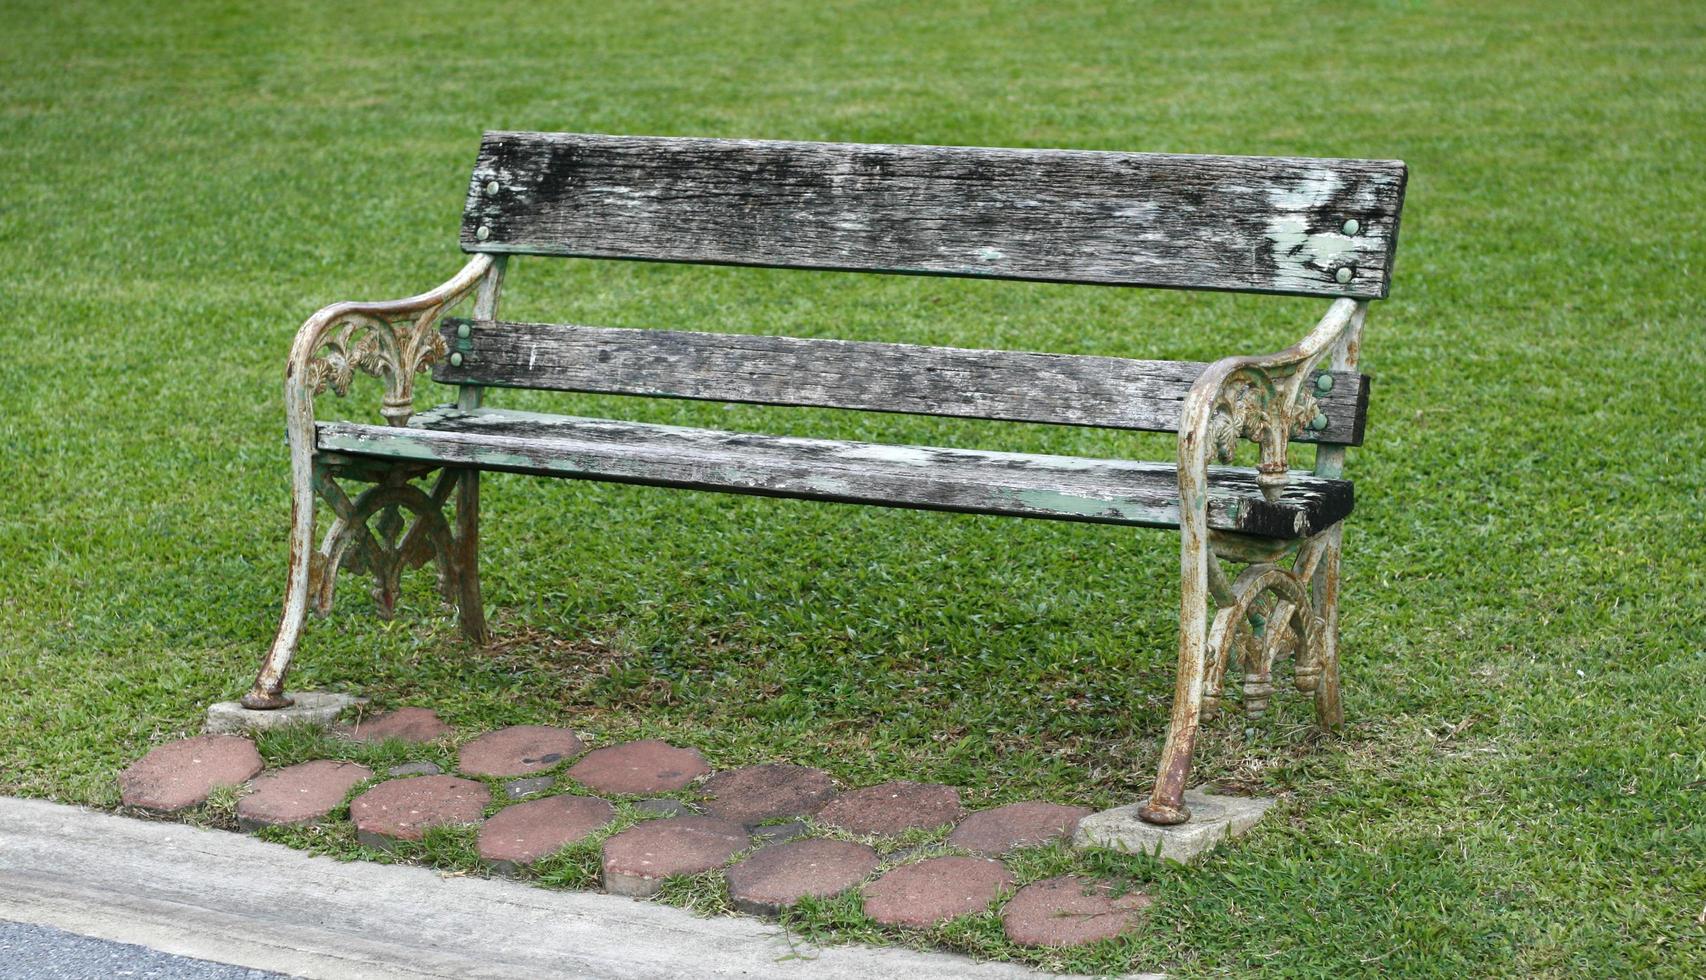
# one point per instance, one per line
(1015, 386)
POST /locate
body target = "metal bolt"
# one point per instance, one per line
(492, 191)
(483, 233)
(1323, 384)
(463, 331)
(1351, 226)
(1343, 275)
(456, 358)
(1318, 423)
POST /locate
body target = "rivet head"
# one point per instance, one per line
(1324, 383)
(463, 331)
(483, 233)
(1351, 227)
(492, 191)
(1318, 423)
(1343, 275)
(456, 358)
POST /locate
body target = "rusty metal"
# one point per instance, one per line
(1268, 610)
(392, 341)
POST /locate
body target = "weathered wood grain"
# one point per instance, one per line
(1255, 224)
(1108, 392)
(1015, 484)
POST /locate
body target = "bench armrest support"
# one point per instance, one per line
(392, 340)
(1266, 399)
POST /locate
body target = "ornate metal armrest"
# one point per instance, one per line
(1263, 399)
(391, 340)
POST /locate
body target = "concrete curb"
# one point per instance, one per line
(233, 899)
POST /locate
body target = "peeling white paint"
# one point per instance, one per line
(1297, 252)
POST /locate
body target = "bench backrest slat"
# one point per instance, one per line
(1108, 392)
(1255, 224)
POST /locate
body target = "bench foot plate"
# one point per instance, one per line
(304, 708)
(1213, 819)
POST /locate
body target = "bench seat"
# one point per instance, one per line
(1070, 488)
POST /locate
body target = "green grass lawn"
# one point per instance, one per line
(1521, 787)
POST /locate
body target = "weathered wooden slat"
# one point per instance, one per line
(1254, 224)
(1108, 392)
(1015, 484)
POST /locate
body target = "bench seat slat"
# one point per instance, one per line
(1109, 392)
(1258, 224)
(1014, 484)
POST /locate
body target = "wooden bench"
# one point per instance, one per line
(1310, 227)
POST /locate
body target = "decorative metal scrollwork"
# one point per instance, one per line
(1266, 407)
(387, 546)
(391, 348)
(1265, 614)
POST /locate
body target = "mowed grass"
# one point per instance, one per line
(1521, 788)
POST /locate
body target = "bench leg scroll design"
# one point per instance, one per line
(390, 527)
(371, 535)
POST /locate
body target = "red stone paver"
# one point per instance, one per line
(1071, 911)
(408, 724)
(299, 794)
(517, 750)
(995, 832)
(637, 860)
(403, 809)
(181, 774)
(754, 794)
(524, 833)
(638, 768)
(780, 875)
(935, 890)
(892, 808)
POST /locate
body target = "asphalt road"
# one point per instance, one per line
(44, 953)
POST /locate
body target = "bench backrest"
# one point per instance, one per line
(1253, 224)
(1257, 224)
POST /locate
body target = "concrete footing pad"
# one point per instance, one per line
(311, 708)
(233, 899)
(1213, 819)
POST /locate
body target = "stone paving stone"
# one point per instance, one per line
(753, 794)
(517, 750)
(995, 832)
(668, 808)
(310, 708)
(522, 834)
(1070, 911)
(299, 794)
(182, 773)
(515, 789)
(408, 724)
(935, 890)
(780, 875)
(638, 768)
(776, 832)
(403, 809)
(637, 860)
(892, 808)
(422, 768)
